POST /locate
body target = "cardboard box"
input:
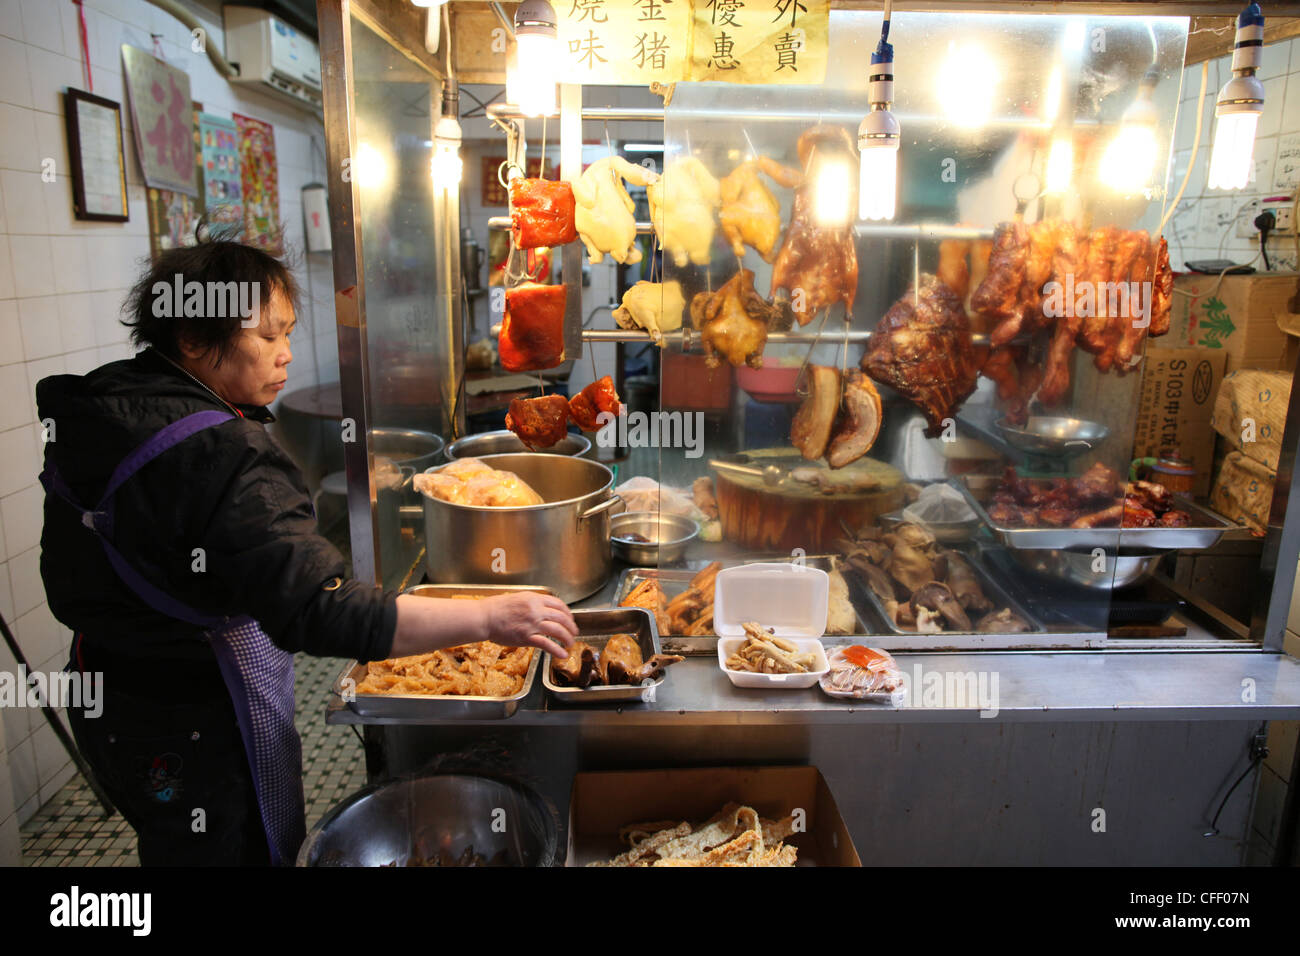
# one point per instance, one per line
(1243, 318)
(601, 803)
(1176, 406)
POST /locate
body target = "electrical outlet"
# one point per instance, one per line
(1279, 206)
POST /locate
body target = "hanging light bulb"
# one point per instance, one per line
(536, 42)
(1130, 158)
(1239, 106)
(1060, 165)
(446, 165)
(878, 137)
(966, 84)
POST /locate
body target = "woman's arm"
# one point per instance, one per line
(525, 619)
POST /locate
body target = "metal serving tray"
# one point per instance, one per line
(992, 590)
(441, 706)
(1209, 528)
(595, 627)
(674, 582)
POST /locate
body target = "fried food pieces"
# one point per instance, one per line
(532, 332)
(765, 653)
(735, 836)
(682, 204)
(1092, 500)
(483, 669)
(656, 307)
(922, 349)
(818, 261)
(603, 214)
(468, 481)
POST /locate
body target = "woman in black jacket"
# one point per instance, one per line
(180, 546)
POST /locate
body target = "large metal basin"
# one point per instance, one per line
(436, 817)
(562, 544)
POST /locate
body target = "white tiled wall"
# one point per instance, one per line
(1203, 226)
(62, 283)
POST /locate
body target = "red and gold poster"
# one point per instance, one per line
(260, 184)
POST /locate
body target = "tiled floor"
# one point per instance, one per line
(70, 830)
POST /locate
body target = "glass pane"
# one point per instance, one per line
(405, 297)
(981, 100)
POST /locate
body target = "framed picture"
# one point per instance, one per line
(97, 157)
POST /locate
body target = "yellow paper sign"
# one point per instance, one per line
(760, 41)
(636, 42)
(628, 42)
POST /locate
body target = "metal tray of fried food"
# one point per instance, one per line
(991, 588)
(438, 706)
(673, 582)
(1205, 533)
(595, 627)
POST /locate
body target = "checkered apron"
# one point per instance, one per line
(258, 675)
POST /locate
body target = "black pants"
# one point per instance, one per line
(179, 775)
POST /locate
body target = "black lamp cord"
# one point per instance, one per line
(1258, 752)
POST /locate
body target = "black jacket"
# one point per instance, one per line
(228, 490)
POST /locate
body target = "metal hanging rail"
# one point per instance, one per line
(611, 114)
(687, 337)
(503, 222)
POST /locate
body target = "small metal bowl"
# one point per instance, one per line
(1076, 567)
(1049, 435)
(669, 535)
(507, 443)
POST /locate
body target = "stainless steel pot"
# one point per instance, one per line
(407, 447)
(562, 544)
(506, 442)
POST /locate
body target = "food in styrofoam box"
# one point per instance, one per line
(864, 673)
(765, 653)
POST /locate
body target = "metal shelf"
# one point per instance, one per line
(503, 222)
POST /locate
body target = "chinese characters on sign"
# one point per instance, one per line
(739, 41)
(760, 41)
(161, 114)
(624, 41)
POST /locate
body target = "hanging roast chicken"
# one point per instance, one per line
(682, 205)
(603, 214)
(817, 265)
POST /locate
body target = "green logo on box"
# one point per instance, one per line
(1216, 324)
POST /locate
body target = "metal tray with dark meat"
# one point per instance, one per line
(596, 627)
(1205, 532)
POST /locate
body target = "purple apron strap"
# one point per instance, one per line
(257, 674)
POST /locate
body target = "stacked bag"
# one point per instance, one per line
(1250, 414)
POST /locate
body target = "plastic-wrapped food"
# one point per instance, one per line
(939, 504)
(865, 673)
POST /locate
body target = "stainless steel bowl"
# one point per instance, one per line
(1050, 435)
(669, 535)
(1077, 567)
(443, 815)
(507, 443)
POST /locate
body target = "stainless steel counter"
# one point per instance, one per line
(955, 688)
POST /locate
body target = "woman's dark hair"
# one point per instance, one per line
(164, 312)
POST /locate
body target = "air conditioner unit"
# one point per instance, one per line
(272, 55)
